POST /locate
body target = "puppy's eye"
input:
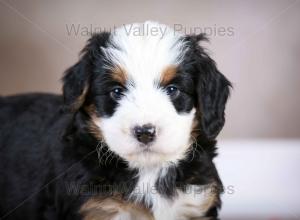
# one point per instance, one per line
(117, 93)
(172, 91)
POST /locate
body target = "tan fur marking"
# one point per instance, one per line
(98, 208)
(210, 200)
(168, 74)
(120, 75)
(93, 128)
(195, 132)
(211, 197)
(80, 100)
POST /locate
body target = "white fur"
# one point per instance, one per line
(186, 204)
(144, 57)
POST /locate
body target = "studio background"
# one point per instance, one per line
(255, 44)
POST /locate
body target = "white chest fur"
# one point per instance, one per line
(193, 203)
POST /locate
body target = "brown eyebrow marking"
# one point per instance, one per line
(119, 74)
(168, 74)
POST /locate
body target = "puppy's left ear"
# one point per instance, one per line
(212, 88)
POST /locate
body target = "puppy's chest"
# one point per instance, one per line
(192, 202)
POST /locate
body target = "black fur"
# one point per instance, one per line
(212, 88)
(47, 149)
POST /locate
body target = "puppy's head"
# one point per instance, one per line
(148, 95)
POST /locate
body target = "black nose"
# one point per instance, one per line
(144, 134)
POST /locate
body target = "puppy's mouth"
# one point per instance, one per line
(145, 150)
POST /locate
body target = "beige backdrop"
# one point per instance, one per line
(255, 43)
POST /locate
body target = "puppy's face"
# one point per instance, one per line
(146, 93)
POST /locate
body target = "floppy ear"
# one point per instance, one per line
(75, 85)
(212, 89)
(76, 79)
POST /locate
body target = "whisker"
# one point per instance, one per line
(109, 155)
(195, 149)
(103, 155)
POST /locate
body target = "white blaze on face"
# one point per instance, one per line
(144, 58)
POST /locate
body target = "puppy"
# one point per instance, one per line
(132, 137)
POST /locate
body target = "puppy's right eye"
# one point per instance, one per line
(117, 93)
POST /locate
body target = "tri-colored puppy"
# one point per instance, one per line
(132, 138)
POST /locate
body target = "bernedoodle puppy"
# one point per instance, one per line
(132, 137)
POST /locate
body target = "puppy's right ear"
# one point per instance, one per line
(76, 79)
(75, 85)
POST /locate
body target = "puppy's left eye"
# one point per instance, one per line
(172, 91)
(117, 93)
